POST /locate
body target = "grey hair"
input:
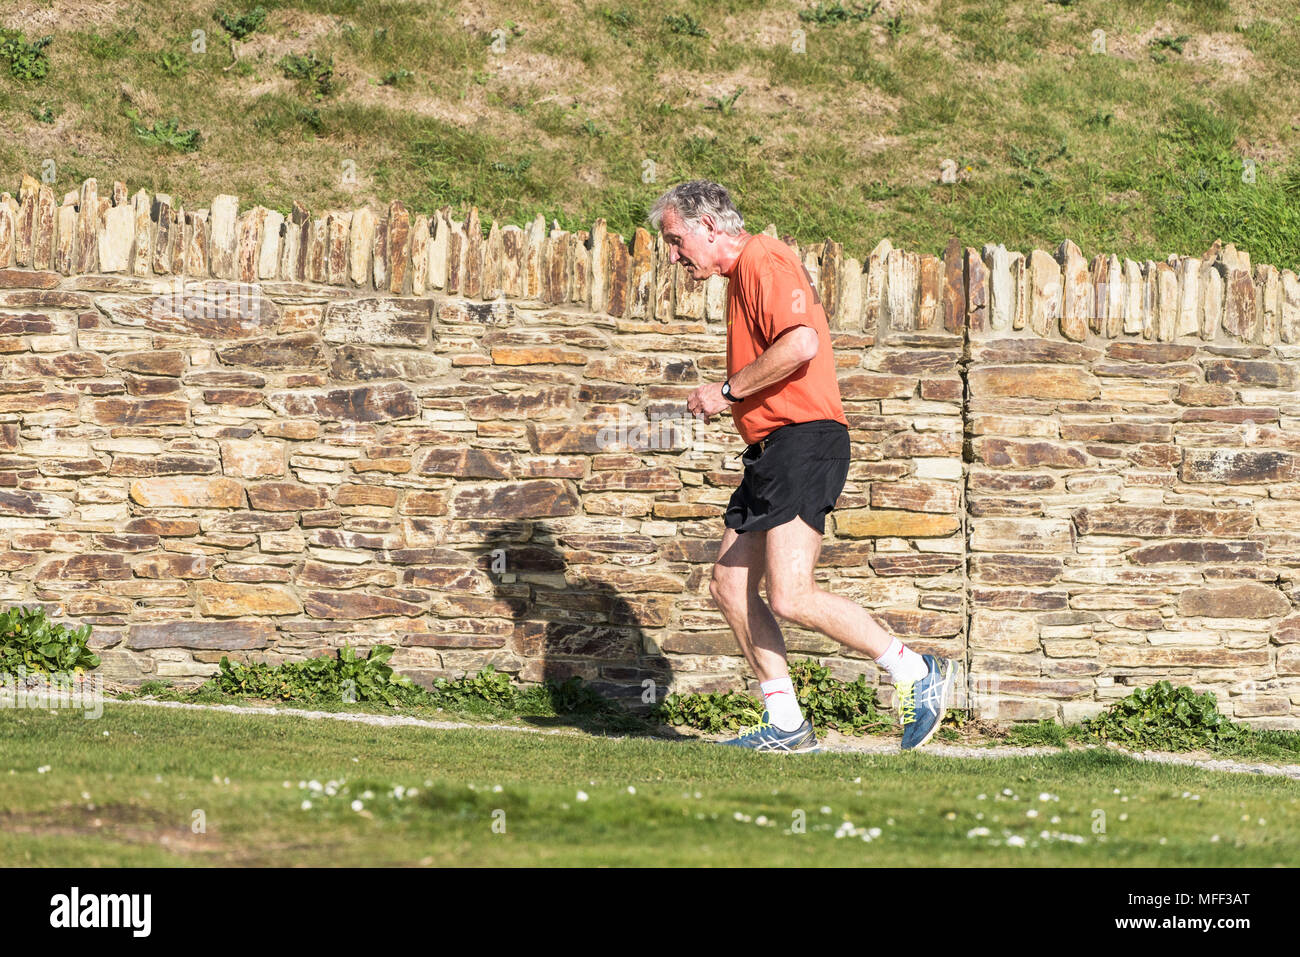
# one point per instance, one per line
(693, 200)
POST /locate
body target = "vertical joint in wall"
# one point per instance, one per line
(967, 457)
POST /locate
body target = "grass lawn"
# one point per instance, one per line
(1138, 128)
(132, 788)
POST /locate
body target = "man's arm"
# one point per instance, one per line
(783, 358)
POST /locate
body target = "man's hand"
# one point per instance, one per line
(707, 400)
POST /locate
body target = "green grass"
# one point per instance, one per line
(535, 708)
(1258, 744)
(844, 139)
(156, 768)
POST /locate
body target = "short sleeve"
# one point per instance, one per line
(785, 301)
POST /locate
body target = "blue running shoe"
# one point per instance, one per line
(921, 704)
(766, 736)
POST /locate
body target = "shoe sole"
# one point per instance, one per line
(943, 706)
(815, 749)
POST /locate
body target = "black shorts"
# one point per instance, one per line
(797, 469)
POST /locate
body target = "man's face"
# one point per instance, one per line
(689, 245)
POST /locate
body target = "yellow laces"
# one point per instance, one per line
(745, 732)
(907, 703)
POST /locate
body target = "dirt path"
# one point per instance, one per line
(832, 742)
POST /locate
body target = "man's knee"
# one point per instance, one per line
(727, 590)
(789, 601)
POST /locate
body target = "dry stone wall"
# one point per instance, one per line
(245, 434)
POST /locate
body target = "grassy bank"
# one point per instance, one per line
(163, 787)
(1162, 133)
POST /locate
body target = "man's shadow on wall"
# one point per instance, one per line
(566, 628)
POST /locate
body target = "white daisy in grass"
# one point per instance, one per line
(582, 795)
(357, 806)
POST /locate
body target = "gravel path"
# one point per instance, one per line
(833, 742)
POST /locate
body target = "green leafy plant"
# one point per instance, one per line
(1031, 163)
(712, 712)
(1098, 118)
(167, 133)
(309, 116)
(488, 685)
(831, 13)
(394, 77)
(617, 20)
(114, 45)
(896, 26)
(828, 702)
(685, 25)
(27, 61)
(344, 677)
(513, 170)
(42, 115)
(1165, 717)
(1160, 44)
(318, 74)
(172, 63)
(726, 106)
(30, 642)
(848, 707)
(243, 24)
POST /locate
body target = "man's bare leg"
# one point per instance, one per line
(737, 573)
(791, 555)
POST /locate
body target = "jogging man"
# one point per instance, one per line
(784, 397)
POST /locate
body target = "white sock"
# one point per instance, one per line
(902, 663)
(782, 706)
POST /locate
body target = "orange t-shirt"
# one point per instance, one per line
(768, 293)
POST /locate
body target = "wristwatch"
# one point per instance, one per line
(727, 394)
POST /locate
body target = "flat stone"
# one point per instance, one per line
(353, 605)
(1022, 535)
(1197, 552)
(221, 599)
(1247, 600)
(538, 498)
(125, 412)
(286, 497)
(1239, 466)
(1160, 521)
(90, 567)
(302, 350)
(892, 523)
(1006, 453)
(221, 635)
(1013, 569)
(211, 310)
(185, 492)
(379, 322)
(1033, 381)
(252, 458)
(382, 402)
